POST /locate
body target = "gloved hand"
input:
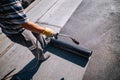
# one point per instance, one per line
(48, 32)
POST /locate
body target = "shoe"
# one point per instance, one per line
(44, 57)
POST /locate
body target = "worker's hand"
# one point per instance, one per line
(48, 32)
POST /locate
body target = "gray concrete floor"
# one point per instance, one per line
(60, 64)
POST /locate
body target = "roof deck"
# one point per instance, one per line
(95, 24)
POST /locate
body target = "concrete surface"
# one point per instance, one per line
(59, 14)
(60, 65)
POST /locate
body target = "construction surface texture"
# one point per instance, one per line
(94, 23)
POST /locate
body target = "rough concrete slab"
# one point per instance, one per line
(59, 14)
(55, 29)
(5, 44)
(40, 9)
(60, 65)
(17, 57)
(32, 5)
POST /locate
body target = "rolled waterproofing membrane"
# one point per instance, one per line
(75, 49)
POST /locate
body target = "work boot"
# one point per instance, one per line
(44, 57)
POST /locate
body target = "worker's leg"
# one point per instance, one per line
(27, 39)
(41, 39)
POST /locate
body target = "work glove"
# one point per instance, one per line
(48, 32)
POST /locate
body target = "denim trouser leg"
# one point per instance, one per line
(27, 39)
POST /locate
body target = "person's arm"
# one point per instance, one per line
(33, 27)
(17, 16)
(37, 29)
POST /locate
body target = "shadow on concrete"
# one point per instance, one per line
(81, 61)
(28, 71)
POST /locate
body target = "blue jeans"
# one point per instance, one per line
(28, 39)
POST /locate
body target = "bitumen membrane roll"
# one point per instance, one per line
(75, 49)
